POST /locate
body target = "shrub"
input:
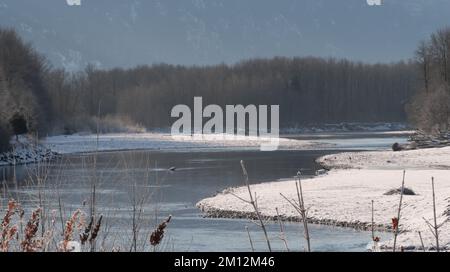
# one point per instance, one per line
(18, 124)
(5, 136)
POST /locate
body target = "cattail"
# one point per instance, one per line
(81, 221)
(158, 234)
(9, 234)
(30, 244)
(85, 235)
(7, 231)
(69, 229)
(96, 229)
(394, 223)
(9, 213)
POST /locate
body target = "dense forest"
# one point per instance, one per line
(308, 90)
(37, 98)
(430, 107)
(25, 104)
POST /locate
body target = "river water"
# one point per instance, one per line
(139, 183)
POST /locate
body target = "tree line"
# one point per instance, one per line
(430, 107)
(25, 104)
(309, 90)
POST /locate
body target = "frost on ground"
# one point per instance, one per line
(343, 196)
(160, 141)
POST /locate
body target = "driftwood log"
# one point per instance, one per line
(424, 140)
(401, 147)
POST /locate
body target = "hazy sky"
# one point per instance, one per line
(127, 33)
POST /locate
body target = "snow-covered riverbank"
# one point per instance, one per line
(25, 152)
(164, 141)
(47, 148)
(434, 158)
(343, 196)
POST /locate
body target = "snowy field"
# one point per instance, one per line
(343, 196)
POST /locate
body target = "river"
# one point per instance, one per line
(140, 181)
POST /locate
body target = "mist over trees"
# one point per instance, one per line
(430, 108)
(38, 99)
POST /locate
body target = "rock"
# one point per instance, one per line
(397, 147)
(406, 191)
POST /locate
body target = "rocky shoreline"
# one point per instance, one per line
(23, 152)
(357, 225)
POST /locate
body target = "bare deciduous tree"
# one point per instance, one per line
(430, 107)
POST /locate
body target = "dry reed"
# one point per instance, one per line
(158, 234)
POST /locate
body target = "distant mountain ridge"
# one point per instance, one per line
(112, 33)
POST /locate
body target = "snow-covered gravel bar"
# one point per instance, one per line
(47, 148)
(343, 197)
(68, 144)
(435, 158)
(26, 150)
